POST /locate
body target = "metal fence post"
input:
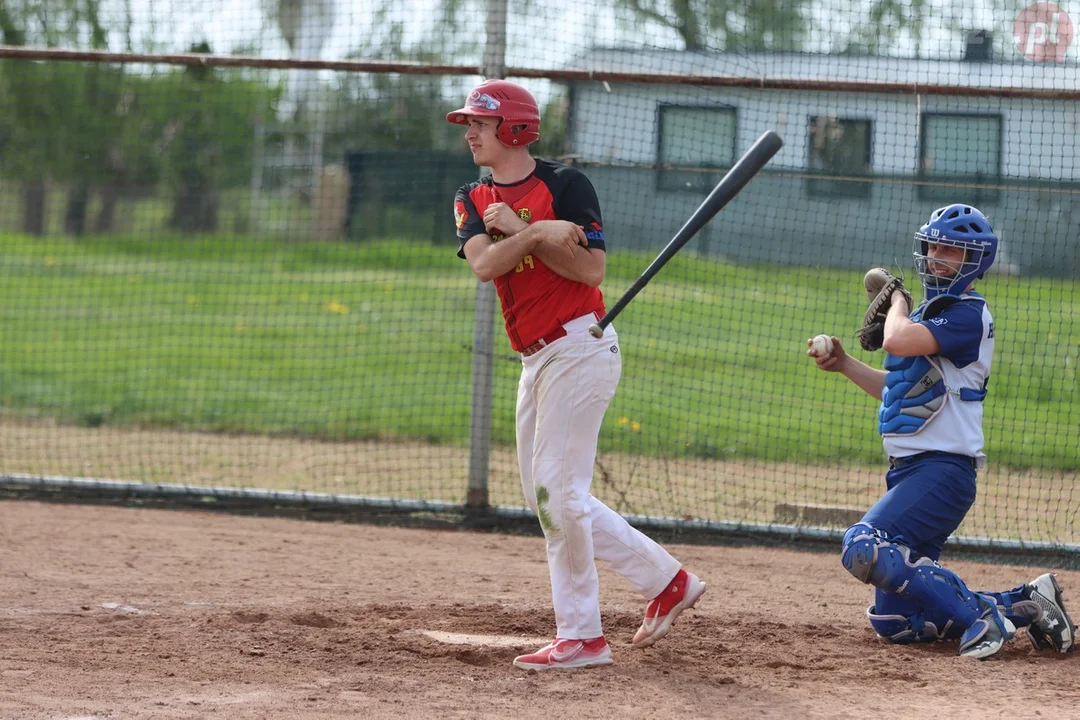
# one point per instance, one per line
(484, 322)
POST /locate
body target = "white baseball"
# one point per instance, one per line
(821, 346)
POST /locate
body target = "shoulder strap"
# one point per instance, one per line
(938, 305)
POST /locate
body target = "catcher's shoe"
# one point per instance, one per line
(988, 634)
(1053, 629)
(660, 614)
(567, 655)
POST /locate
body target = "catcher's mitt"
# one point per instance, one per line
(880, 284)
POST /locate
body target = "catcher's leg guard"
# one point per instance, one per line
(907, 629)
(873, 558)
(1019, 608)
(902, 622)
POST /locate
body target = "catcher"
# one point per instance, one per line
(937, 365)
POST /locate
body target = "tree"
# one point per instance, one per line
(732, 25)
(204, 131)
(99, 94)
(62, 121)
(19, 80)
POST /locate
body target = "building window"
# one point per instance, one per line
(696, 146)
(963, 152)
(839, 149)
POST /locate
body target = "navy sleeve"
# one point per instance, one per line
(959, 331)
(577, 203)
(467, 219)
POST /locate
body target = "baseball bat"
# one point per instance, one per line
(729, 186)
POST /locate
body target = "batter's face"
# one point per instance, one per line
(945, 260)
(483, 143)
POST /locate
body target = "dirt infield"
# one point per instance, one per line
(112, 612)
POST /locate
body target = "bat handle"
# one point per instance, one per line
(596, 331)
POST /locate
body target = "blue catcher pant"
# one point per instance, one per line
(896, 546)
(925, 503)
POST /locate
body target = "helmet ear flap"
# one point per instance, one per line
(518, 133)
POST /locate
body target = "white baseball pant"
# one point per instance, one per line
(564, 391)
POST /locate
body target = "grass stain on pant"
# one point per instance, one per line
(542, 498)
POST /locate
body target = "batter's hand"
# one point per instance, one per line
(501, 218)
(563, 235)
(834, 361)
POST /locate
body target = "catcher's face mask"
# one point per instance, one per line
(956, 226)
(945, 261)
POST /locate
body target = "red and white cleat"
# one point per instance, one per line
(660, 614)
(567, 654)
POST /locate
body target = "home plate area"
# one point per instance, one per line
(117, 613)
(493, 640)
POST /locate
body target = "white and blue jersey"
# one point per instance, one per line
(935, 402)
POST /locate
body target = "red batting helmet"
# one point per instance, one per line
(512, 104)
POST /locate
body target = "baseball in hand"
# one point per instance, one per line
(821, 346)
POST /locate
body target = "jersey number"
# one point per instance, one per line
(527, 260)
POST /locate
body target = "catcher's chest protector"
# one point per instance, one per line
(917, 389)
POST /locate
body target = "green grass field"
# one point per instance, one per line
(346, 341)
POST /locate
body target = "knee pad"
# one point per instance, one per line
(859, 554)
(916, 628)
(871, 557)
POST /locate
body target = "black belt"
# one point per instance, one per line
(899, 462)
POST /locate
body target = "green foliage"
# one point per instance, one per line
(755, 25)
(122, 132)
(234, 333)
(553, 117)
(393, 112)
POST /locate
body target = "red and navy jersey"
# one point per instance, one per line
(535, 299)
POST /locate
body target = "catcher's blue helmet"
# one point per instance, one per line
(957, 225)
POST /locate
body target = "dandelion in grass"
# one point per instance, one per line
(623, 421)
(635, 426)
(335, 307)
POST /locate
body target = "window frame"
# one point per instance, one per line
(705, 176)
(978, 195)
(823, 186)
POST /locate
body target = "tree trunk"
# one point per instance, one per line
(34, 207)
(109, 197)
(195, 208)
(75, 217)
